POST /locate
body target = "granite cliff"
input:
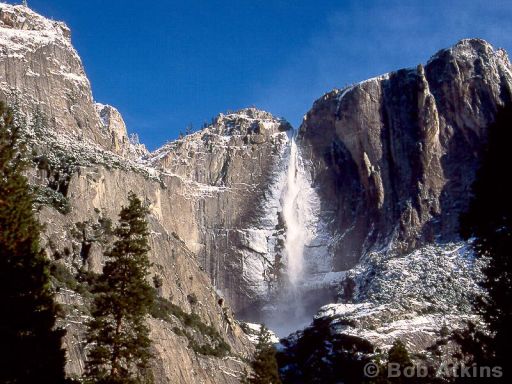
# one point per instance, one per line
(394, 156)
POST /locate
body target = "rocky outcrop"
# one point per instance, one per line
(419, 298)
(206, 193)
(40, 71)
(113, 122)
(76, 238)
(393, 157)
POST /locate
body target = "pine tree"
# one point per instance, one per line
(118, 335)
(30, 346)
(398, 354)
(189, 129)
(489, 221)
(264, 363)
(397, 360)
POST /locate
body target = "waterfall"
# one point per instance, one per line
(289, 314)
(296, 234)
(305, 254)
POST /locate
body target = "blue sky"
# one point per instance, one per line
(165, 64)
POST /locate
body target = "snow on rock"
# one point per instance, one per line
(255, 239)
(394, 156)
(114, 124)
(338, 310)
(440, 276)
(63, 147)
(41, 73)
(24, 30)
(408, 297)
(232, 131)
(252, 331)
(232, 170)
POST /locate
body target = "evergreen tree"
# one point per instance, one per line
(398, 359)
(398, 354)
(118, 335)
(265, 363)
(30, 346)
(489, 221)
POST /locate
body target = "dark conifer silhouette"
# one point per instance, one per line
(398, 354)
(489, 221)
(30, 346)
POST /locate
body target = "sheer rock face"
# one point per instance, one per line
(78, 240)
(41, 71)
(394, 156)
(232, 170)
